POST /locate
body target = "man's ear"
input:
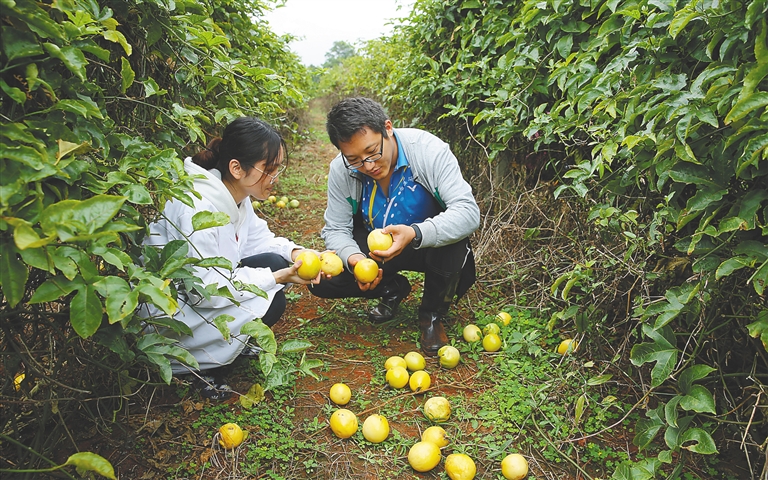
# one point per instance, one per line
(235, 169)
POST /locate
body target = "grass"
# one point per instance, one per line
(524, 398)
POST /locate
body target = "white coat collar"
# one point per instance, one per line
(213, 189)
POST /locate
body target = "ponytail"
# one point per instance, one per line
(208, 158)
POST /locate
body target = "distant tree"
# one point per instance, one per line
(339, 52)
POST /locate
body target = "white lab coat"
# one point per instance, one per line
(244, 236)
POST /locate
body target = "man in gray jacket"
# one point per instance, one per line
(408, 183)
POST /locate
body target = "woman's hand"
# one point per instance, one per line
(291, 275)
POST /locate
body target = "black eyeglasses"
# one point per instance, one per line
(370, 159)
(272, 178)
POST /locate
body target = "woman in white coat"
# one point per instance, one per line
(245, 162)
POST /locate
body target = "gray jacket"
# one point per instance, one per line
(434, 167)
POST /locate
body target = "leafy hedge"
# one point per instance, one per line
(652, 115)
(100, 101)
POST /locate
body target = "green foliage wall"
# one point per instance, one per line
(657, 112)
(99, 102)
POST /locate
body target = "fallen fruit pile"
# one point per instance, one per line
(425, 454)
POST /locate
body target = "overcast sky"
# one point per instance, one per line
(319, 23)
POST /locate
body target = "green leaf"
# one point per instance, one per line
(295, 345)
(699, 399)
(24, 236)
(19, 44)
(85, 311)
(174, 250)
(647, 429)
(219, 262)
(91, 462)
(701, 441)
(681, 19)
(53, 289)
(671, 412)
(599, 380)
(16, 94)
(64, 264)
(579, 408)
(98, 210)
(137, 194)
(152, 88)
(146, 342)
(263, 335)
(745, 106)
(221, 321)
(28, 156)
(672, 434)
(181, 355)
(267, 361)
(127, 74)
(759, 279)
(731, 265)
(665, 456)
(700, 175)
(176, 326)
(307, 367)
(660, 351)
(643, 470)
(117, 37)
(163, 365)
(119, 299)
(13, 273)
(66, 148)
(759, 328)
(159, 297)
(751, 155)
(255, 395)
(72, 57)
(173, 265)
(249, 287)
(203, 220)
(38, 258)
(691, 374)
(280, 374)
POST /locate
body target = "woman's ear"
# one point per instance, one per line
(235, 169)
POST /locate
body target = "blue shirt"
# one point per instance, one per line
(408, 202)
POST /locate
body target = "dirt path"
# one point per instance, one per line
(354, 352)
(171, 433)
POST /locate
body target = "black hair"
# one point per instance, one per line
(246, 139)
(352, 115)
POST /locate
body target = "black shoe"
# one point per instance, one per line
(212, 388)
(251, 351)
(433, 334)
(390, 300)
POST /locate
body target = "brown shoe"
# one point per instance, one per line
(433, 334)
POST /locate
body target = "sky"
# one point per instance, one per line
(319, 23)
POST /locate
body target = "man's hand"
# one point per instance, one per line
(352, 261)
(402, 235)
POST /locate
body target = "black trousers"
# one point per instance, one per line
(274, 262)
(444, 261)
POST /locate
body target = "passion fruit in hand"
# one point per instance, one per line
(310, 264)
(366, 270)
(378, 240)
